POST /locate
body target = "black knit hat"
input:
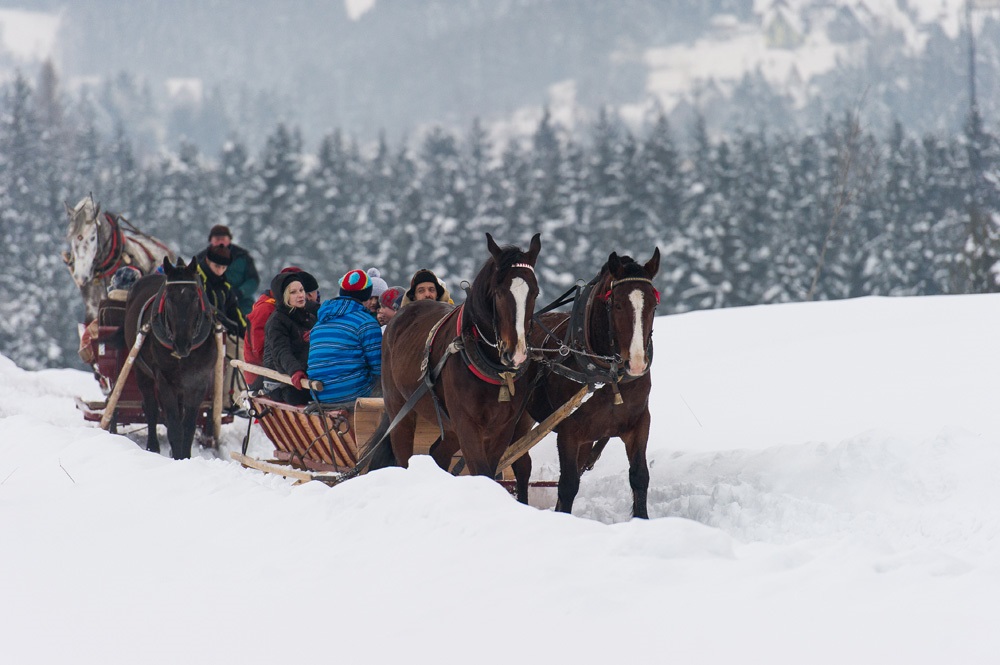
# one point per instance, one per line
(219, 255)
(421, 276)
(218, 231)
(309, 282)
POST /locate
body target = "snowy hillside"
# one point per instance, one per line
(823, 490)
(792, 42)
(400, 67)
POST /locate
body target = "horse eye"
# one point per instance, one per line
(79, 237)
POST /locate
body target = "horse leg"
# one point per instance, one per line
(172, 410)
(595, 454)
(443, 451)
(522, 465)
(402, 439)
(150, 407)
(474, 453)
(189, 421)
(638, 471)
(569, 471)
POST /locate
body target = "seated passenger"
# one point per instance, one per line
(253, 342)
(378, 288)
(389, 303)
(345, 348)
(110, 311)
(286, 336)
(219, 293)
(424, 285)
(122, 281)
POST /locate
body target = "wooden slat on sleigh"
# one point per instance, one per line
(326, 440)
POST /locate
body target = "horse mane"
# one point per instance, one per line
(630, 268)
(85, 210)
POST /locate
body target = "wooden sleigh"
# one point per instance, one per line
(312, 443)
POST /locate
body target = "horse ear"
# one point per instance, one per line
(535, 247)
(167, 265)
(653, 264)
(614, 265)
(69, 211)
(492, 246)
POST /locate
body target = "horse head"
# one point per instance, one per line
(181, 306)
(511, 292)
(83, 236)
(631, 301)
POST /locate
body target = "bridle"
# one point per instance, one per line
(469, 337)
(608, 298)
(593, 367)
(496, 343)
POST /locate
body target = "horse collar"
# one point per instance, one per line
(115, 254)
(158, 322)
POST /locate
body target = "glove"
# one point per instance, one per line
(298, 377)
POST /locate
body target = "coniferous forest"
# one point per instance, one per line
(758, 216)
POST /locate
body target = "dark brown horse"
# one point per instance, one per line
(609, 335)
(478, 360)
(175, 368)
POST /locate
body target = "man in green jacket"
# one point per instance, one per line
(241, 273)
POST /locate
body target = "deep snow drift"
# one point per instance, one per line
(824, 490)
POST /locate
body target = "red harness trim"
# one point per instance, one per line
(114, 257)
(475, 333)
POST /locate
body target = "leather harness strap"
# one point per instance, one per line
(113, 260)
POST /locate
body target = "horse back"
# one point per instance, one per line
(146, 251)
(406, 337)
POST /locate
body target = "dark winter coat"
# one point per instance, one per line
(221, 297)
(241, 275)
(286, 333)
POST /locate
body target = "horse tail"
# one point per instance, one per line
(595, 453)
(377, 450)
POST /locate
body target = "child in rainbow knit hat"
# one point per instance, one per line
(345, 346)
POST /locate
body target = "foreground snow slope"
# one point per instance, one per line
(823, 490)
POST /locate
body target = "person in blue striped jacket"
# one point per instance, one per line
(345, 346)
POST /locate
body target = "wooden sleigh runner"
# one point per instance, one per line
(313, 443)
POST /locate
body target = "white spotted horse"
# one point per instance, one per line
(99, 246)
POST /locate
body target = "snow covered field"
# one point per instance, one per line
(824, 490)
